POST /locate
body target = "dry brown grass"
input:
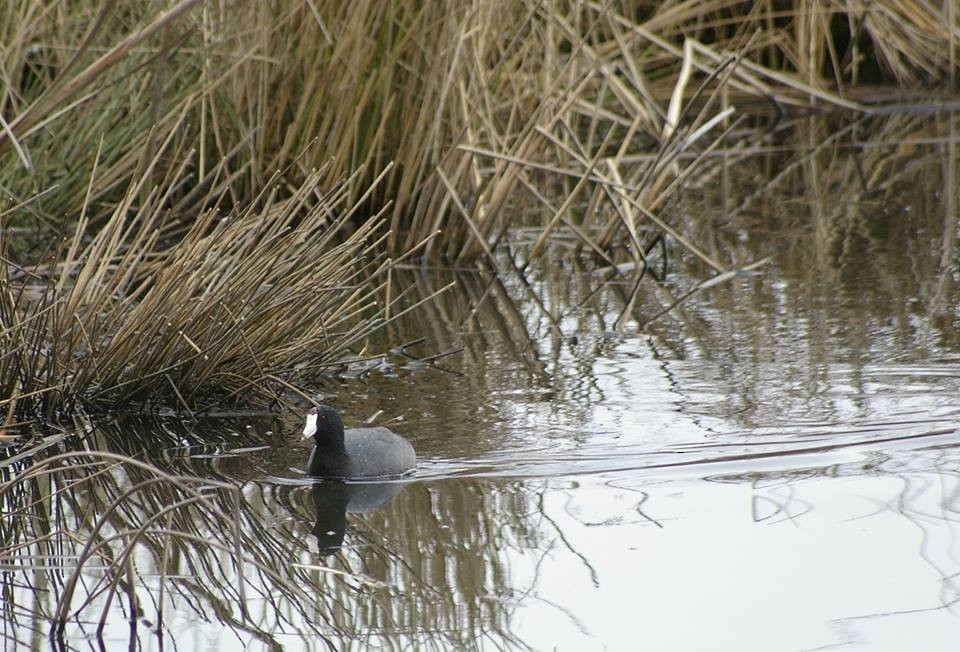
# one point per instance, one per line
(226, 312)
(357, 86)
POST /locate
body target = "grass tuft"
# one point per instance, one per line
(241, 300)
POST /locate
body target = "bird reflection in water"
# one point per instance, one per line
(334, 498)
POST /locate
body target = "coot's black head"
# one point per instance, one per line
(325, 426)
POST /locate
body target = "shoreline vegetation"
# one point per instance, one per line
(198, 199)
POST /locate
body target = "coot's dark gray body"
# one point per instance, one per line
(356, 452)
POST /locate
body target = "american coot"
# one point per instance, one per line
(357, 452)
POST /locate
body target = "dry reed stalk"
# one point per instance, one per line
(241, 298)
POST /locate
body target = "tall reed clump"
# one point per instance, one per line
(346, 86)
(227, 310)
(597, 113)
(358, 85)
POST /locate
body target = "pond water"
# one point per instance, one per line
(772, 465)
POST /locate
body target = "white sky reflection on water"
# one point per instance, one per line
(716, 566)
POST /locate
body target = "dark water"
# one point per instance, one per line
(773, 465)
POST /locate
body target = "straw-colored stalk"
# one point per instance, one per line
(228, 310)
